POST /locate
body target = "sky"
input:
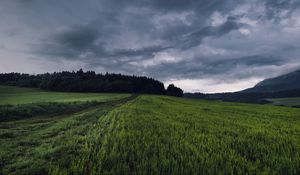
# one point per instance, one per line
(199, 45)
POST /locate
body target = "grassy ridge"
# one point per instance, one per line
(15, 95)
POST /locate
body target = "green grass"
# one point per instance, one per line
(156, 135)
(15, 95)
(285, 101)
(40, 145)
(47, 109)
(162, 135)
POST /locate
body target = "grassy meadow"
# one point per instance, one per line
(151, 134)
(15, 95)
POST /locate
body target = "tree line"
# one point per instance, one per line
(89, 81)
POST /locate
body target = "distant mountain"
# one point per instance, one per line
(287, 85)
(285, 82)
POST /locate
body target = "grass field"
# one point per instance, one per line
(155, 135)
(286, 101)
(15, 95)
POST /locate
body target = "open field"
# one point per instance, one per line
(40, 145)
(14, 95)
(155, 135)
(286, 101)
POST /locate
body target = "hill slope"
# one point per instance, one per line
(285, 82)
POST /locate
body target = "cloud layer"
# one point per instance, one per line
(201, 45)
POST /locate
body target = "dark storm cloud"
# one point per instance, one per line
(202, 8)
(249, 61)
(70, 42)
(164, 39)
(146, 51)
(181, 26)
(179, 5)
(77, 38)
(196, 38)
(85, 42)
(235, 68)
(26, 1)
(278, 9)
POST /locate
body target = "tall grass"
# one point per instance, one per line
(156, 135)
(40, 145)
(163, 135)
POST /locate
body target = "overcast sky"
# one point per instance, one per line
(199, 45)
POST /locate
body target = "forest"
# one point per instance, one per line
(89, 81)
